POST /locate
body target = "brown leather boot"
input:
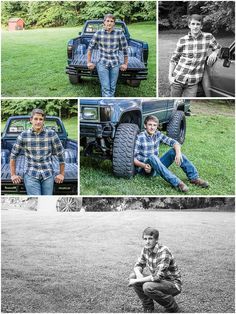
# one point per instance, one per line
(182, 187)
(200, 182)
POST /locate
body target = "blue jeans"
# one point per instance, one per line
(108, 77)
(38, 187)
(160, 167)
(183, 90)
(162, 292)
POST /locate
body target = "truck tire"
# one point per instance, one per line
(74, 79)
(176, 127)
(134, 83)
(69, 204)
(123, 150)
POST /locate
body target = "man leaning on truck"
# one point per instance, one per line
(38, 144)
(108, 40)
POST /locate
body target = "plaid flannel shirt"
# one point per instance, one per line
(108, 45)
(147, 145)
(160, 263)
(190, 57)
(38, 149)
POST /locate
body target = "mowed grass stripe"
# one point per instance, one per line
(34, 61)
(75, 262)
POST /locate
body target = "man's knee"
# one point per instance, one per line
(132, 276)
(148, 289)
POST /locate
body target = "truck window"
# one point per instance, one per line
(19, 125)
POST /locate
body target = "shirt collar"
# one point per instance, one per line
(198, 36)
(148, 135)
(34, 132)
(155, 249)
(109, 32)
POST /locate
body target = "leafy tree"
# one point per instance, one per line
(218, 15)
(58, 107)
(71, 13)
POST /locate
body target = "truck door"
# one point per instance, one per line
(155, 107)
(223, 77)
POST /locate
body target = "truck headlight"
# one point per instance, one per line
(89, 113)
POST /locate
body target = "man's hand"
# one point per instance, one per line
(123, 67)
(16, 179)
(59, 178)
(178, 159)
(90, 66)
(171, 80)
(132, 282)
(212, 58)
(147, 168)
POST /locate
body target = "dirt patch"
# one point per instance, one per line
(213, 107)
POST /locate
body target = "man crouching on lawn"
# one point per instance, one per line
(147, 160)
(163, 281)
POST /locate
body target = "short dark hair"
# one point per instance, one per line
(152, 232)
(149, 118)
(196, 17)
(37, 111)
(109, 15)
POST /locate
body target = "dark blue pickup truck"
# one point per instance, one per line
(108, 127)
(14, 126)
(77, 55)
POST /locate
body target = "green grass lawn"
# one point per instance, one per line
(167, 43)
(209, 144)
(34, 61)
(70, 124)
(80, 263)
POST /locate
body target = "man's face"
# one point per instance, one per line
(151, 127)
(195, 27)
(37, 122)
(109, 24)
(150, 241)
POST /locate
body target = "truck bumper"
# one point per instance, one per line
(97, 130)
(69, 187)
(130, 74)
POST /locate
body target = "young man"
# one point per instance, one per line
(146, 157)
(187, 63)
(163, 280)
(108, 41)
(38, 144)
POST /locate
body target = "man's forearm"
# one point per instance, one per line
(89, 56)
(144, 279)
(177, 149)
(172, 66)
(62, 169)
(13, 167)
(138, 163)
(126, 60)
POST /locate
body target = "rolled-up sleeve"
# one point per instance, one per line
(214, 44)
(17, 147)
(124, 45)
(141, 262)
(93, 42)
(162, 266)
(178, 52)
(167, 140)
(58, 149)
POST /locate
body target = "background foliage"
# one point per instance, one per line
(64, 108)
(218, 15)
(71, 13)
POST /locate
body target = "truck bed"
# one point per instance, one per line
(68, 187)
(80, 60)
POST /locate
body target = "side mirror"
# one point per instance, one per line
(224, 53)
(79, 33)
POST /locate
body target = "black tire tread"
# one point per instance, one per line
(123, 150)
(173, 127)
